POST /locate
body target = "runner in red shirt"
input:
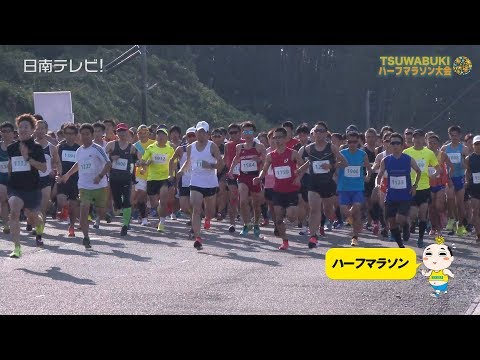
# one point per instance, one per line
(285, 163)
(250, 155)
(290, 141)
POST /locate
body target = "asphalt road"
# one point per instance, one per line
(149, 273)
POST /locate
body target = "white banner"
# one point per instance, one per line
(55, 107)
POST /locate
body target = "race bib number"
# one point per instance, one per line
(236, 170)
(476, 178)
(19, 164)
(455, 158)
(87, 168)
(421, 164)
(70, 156)
(352, 171)
(398, 182)
(248, 165)
(3, 167)
(197, 164)
(159, 158)
(317, 167)
(282, 172)
(120, 164)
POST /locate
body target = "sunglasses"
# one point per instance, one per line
(248, 132)
(395, 143)
(233, 132)
(352, 141)
(320, 130)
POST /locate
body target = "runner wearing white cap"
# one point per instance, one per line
(203, 158)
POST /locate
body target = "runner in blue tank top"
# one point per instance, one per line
(351, 183)
(399, 185)
(455, 192)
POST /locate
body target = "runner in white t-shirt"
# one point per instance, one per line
(92, 165)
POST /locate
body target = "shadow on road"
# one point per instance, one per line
(55, 273)
(65, 251)
(235, 256)
(125, 255)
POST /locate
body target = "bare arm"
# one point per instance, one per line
(69, 173)
(236, 159)
(56, 163)
(187, 163)
(339, 158)
(468, 172)
(216, 154)
(176, 155)
(415, 167)
(366, 163)
(266, 165)
(381, 172)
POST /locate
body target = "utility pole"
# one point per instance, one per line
(143, 52)
(126, 57)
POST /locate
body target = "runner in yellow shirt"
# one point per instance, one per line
(157, 158)
(141, 174)
(425, 158)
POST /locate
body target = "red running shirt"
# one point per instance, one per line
(284, 171)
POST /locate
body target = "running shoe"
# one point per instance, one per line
(244, 231)
(312, 243)
(198, 243)
(461, 231)
(304, 231)
(6, 229)
(17, 252)
(231, 229)
(124, 230)
(206, 225)
(354, 241)
(86, 242)
(284, 246)
(375, 229)
(71, 231)
(108, 218)
(256, 231)
(161, 227)
(321, 230)
(38, 240)
(450, 224)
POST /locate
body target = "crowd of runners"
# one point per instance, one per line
(390, 183)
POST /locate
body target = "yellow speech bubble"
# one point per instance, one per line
(371, 264)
